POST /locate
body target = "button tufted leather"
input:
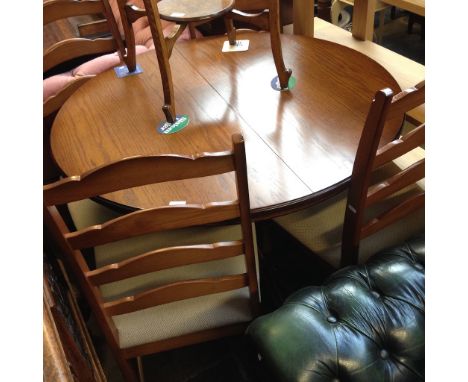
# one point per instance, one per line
(342, 331)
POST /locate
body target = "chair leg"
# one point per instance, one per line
(162, 55)
(283, 73)
(230, 30)
(381, 26)
(130, 54)
(140, 369)
(193, 34)
(127, 369)
(410, 23)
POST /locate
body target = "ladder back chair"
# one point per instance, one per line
(70, 59)
(95, 38)
(263, 14)
(384, 204)
(163, 44)
(161, 298)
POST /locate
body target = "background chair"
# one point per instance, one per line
(71, 60)
(365, 323)
(82, 55)
(264, 15)
(164, 35)
(267, 18)
(150, 291)
(138, 34)
(386, 187)
(92, 44)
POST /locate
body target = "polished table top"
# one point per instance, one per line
(300, 144)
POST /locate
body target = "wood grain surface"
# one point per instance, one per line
(184, 11)
(300, 143)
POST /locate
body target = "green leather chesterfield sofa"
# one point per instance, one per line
(366, 323)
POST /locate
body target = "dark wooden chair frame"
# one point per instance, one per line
(69, 49)
(369, 157)
(266, 19)
(138, 171)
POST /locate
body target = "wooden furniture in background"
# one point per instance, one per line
(302, 143)
(74, 48)
(264, 15)
(303, 17)
(414, 6)
(405, 71)
(69, 354)
(164, 45)
(382, 191)
(64, 50)
(414, 18)
(183, 13)
(144, 318)
(363, 15)
(380, 7)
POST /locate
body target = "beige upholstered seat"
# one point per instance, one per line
(320, 227)
(176, 318)
(164, 276)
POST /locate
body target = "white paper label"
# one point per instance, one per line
(177, 203)
(240, 46)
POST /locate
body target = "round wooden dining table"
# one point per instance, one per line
(300, 143)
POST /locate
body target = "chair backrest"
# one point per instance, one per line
(139, 171)
(362, 193)
(129, 14)
(95, 38)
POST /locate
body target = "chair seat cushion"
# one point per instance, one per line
(320, 227)
(183, 317)
(366, 323)
(175, 318)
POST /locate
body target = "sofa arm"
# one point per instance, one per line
(366, 323)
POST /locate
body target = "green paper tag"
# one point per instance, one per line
(170, 128)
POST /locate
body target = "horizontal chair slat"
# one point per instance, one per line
(165, 258)
(251, 5)
(406, 100)
(400, 146)
(394, 214)
(93, 28)
(153, 220)
(137, 171)
(134, 13)
(76, 47)
(258, 19)
(397, 182)
(59, 9)
(176, 292)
